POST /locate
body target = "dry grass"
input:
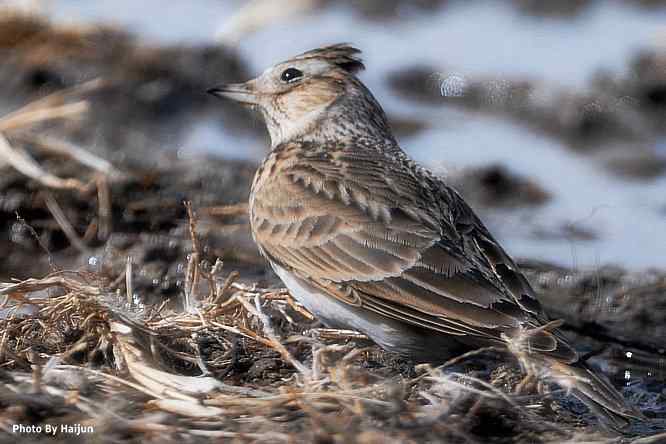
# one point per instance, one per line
(83, 348)
(78, 348)
(56, 106)
(72, 339)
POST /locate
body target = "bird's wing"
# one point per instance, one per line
(382, 234)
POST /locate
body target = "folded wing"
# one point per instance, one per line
(395, 241)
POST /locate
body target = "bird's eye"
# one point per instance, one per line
(291, 75)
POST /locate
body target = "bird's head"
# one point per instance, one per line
(316, 91)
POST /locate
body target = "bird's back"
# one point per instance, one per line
(368, 240)
(368, 225)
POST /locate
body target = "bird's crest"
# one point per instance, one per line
(341, 55)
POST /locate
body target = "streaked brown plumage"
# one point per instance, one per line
(369, 240)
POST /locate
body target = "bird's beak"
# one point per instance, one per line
(238, 92)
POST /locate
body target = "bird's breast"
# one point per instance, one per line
(336, 314)
(389, 334)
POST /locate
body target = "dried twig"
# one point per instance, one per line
(39, 240)
(14, 121)
(64, 223)
(104, 208)
(192, 274)
(221, 291)
(74, 152)
(275, 342)
(129, 286)
(24, 163)
(55, 99)
(239, 209)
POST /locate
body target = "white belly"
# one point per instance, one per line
(386, 332)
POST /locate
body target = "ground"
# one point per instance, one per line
(135, 302)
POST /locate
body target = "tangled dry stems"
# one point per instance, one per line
(82, 348)
(72, 338)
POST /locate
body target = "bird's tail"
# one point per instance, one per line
(544, 351)
(595, 392)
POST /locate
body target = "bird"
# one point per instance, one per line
(367, 239)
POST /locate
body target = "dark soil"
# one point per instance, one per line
(615, 315)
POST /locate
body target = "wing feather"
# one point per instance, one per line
(385, 236)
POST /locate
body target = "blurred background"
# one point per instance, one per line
(549, 116)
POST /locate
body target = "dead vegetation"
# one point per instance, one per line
(74, 351)
(179, 335)
(243, 362)
(223, 358)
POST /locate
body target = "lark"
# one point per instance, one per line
(368, 240)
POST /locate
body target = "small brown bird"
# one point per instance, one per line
(368, 240)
